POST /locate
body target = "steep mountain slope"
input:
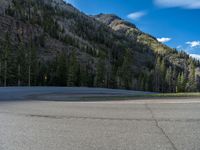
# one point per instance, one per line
(134, 34)
(49, 42)
(171, 57)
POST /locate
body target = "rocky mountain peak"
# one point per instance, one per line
(114, 21)
(107, 18)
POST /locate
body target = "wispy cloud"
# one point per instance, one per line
(191, 48)
(164, 40)
(196, 56)
(179, 47)
(136, 15)
(70, 1)
(193, 44)
(187, 4)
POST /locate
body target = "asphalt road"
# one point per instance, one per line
(168, 124)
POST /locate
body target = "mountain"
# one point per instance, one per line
(49, 42)
(133, 33)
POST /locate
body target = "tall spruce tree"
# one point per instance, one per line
(33, 65)
(168, 79)
(62, 69)
(192, 85)
(6, 57)
(126, 71)
(73, 70)
(157, 75)
(100, 74)
(181, 82)
(163, 73)
(21, 63)
(0, 73)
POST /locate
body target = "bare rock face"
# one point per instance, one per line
(107, 18)
(115, 22)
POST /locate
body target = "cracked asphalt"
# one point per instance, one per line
(167, 124)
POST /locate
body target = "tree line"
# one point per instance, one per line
(23, 67)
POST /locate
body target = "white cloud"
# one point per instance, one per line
(193, 44)
(179, 47)
(164, 40)
(196, 56)
(70, 1)
(136, 15)
(187, 4)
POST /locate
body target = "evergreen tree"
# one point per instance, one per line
(157, 75)
(73, 70)
(62, 69)
(126, 71)
(6, 57)
(1, 71)
(33, 65)
(20, 63)
(181, 83)
(146, 84)
(174, 79)
(29, 61)
(192, 85)
(100, 74)
(163, 73)
(168, 79)
(83, 76)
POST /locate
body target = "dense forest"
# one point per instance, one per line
(50, 43)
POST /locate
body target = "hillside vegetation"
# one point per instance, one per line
(49, 42)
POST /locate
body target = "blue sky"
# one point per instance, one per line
(174, 22)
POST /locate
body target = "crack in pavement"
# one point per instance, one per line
(152, 119)
(75, 117)
(160, 128)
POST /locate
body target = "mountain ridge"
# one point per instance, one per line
(117, 24)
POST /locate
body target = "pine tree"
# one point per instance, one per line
(157, 75)
(0, 71)
(29, 64)
(192, 85)
(83, 76)
(73, 70)
(174, 79)
(183, 82)
(168, 79)
(100, 74)
(62, 69)
(33, 65)
(20, 63)
(180, 83)
(6, 57)
(162, 73)
(125, 71)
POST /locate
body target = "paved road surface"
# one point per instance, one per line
(168, 124)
